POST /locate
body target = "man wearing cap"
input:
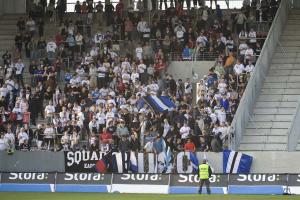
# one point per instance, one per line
(204, 175)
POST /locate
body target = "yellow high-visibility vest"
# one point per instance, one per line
(203, 171)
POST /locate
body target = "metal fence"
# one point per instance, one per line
(200, 56)
(252, 91)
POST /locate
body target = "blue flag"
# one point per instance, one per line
(133, 163)
(194, 162)
(236, 163)
(159, 103)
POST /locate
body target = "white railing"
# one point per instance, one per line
(254, 86)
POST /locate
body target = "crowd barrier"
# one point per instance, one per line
(275, 184)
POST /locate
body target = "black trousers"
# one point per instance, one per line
(206, 181)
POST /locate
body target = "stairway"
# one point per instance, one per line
(267, 129)
(8, 30)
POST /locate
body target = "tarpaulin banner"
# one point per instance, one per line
(189, 184)
(82, 161)
(149, 183)
(27, 182)
(83, 182)
(140, 183)
(115, 162)
(257, 184)
(293, 184)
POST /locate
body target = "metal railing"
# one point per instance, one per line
(255, 83)
(200, 56)
(224, 4)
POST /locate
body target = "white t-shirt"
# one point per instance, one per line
(22, 136)
(49, 109)
(51, 47)
(243, 47)
(221, 116)
(102, 72)
(141, 68)
(9, 136)
(99, 37)
(19, 68)
(238, 68)
(125, 77)
(249, 68)
(184, 132)
(134, 77)
(252, 36)
(3, 91)
(139, 52)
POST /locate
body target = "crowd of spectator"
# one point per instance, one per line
(104, 83)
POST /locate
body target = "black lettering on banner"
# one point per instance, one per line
(148, 179)
(217, 180)
(258, 179)
(294, 180)
(84, 178)
(36, 178)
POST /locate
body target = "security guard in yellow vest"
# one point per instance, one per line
(204, 175)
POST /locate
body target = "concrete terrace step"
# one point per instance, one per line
(264, 139)
(269, 125)
(8, 32)
(286, 49)
(278, 66)
(289, 32)
(289, 37)
(9, 27)
(287, 55)
(280, 85)
(271, 118)
(266, 131)
(283, 72)
(292, 28)
(293, 22)
(273, 111)
(277, 79)
(291, 43)
(7, 37)
(281, 60)
(262, 104)
(263, 147)
(280, 91)
(276, 98)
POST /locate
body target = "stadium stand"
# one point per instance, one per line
(87, 80)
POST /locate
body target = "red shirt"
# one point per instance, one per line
(119, 8)
(189, 147)
(59, 39)
(160, 66)
(105, 137)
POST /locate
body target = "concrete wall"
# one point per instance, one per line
(263, 162)
(32, 162)
(184, 69)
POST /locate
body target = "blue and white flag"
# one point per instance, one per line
(159, 104)
(168, 161)
(194, 162)
(133, 163)
(236, 163)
